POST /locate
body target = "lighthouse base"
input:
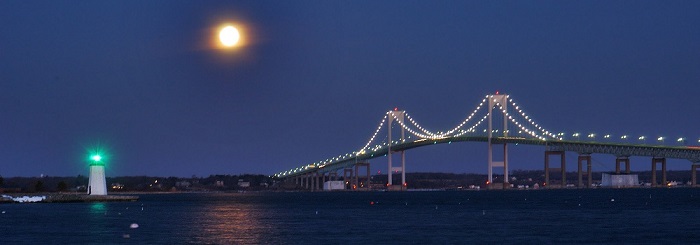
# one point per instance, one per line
(98, 183)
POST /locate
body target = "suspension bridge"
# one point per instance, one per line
(479, 127)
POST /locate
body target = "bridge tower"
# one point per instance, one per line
(495, 100)
(399, 116)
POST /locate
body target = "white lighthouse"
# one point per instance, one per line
(98, 183)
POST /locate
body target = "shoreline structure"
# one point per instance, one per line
(64, 198)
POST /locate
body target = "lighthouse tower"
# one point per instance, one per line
(97, 184)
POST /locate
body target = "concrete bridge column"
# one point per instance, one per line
(309, 181)
(547, 154)
(357, 174)
(693, 174)
(307, 185)
(587, 159)
(319, 180)
(654, 161)
(314, 181)
(620, 160)
(347, 176)
(305, 181)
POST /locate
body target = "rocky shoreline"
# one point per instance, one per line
(64, 198)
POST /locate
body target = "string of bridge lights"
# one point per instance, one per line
(532, 122)
(419, 135)
(451, 131)
(472, 129)
(371, 139)
(522, 127)
(427, 134)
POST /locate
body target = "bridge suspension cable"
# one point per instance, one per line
(528, 128)
(532, 122)
(449, 132)
(472, 129)
(371, 139)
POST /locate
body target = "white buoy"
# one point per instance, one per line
(134, 226)
(612, 200)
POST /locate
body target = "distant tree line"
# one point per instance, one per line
(138, 183)
(253, 182)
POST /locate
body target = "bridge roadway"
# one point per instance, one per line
(690, 153)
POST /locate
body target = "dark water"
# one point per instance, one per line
(667, 216)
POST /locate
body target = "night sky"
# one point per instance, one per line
(312, 79)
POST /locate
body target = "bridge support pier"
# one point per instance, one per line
(321, 180)
(318, 177)
(693, 174)
(494, 164)
(620, 160)
(587, 159)
(309, 181)
(562, 154)
(654, 161)
(314, 181)
(347, 177)
(357, 175)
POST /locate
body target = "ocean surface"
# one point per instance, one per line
(659, 216)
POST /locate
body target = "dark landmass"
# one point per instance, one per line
(123, 184)
(67, 197)
(252, 182)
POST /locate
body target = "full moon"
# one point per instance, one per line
(229, 36)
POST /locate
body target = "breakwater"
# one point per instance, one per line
(64, 198)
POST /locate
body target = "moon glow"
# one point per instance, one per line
(229, 36)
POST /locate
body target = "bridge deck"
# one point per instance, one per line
(618, 149)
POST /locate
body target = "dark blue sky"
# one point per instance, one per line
(315, 77)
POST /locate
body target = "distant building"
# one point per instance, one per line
(242, 183)
(619, 180)
(117, 186)
(220, 183)
(183, 184)
(333, 185)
